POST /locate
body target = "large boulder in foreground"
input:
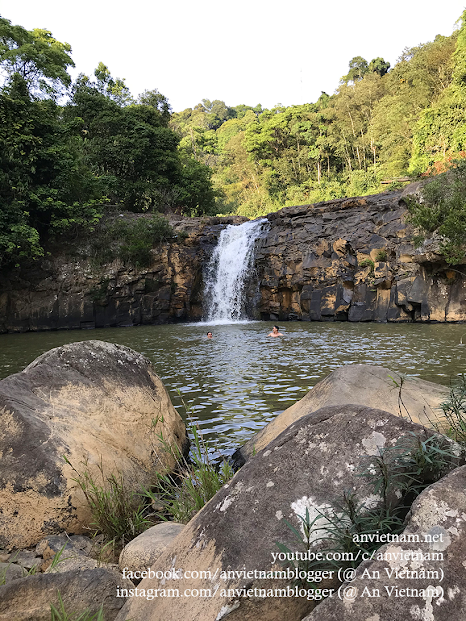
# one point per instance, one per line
(373, 386)
(96, 403)
(309, 466)
(422, 580)
(29, 599)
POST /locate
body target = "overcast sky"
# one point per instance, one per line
(241, 52)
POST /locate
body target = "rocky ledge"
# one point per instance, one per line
(346, 259)
(354, 259)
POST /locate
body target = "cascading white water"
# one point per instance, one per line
(227, 272)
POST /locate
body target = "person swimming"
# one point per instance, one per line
(209, 335)
(275, 332)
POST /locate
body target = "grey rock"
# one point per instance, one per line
(26, 559)
(9, 572)
(29, 599)
(373, 386)
(141, 553)
(408, 582)
(309, 466)
(51, 545)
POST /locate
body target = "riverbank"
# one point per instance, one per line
(318, 469)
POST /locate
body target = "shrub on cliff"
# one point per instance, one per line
(443, 211)
(131, 241)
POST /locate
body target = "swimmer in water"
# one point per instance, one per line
(275, 332)
(209, 335)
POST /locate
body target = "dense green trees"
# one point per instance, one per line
(44, 187)
(35, 56)
(61, 164)
(379, 124)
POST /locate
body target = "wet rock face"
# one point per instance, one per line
(410, 581)
(354, 259)
(99, 405)
(309, 466)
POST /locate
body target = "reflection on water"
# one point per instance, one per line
(241, 379)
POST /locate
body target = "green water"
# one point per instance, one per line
(242, 379)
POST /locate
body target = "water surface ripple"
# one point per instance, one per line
(241, 379)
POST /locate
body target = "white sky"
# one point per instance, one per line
(241, 52)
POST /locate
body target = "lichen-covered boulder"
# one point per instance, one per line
(372, 386)
(99, 405)
(421, 578)
(223, 550)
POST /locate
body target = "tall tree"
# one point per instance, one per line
(358, 68)
(37, 57)
(378, 65)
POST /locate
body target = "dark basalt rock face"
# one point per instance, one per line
(347, 259)
(69, 291)
(354, 259)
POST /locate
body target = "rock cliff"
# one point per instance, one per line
(70, 290)
(354, 259)
(346, 259)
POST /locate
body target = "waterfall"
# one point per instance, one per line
(227, 272)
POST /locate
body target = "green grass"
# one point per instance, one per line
(117, 512)
(381, 255)
(60, 613)
(5, 570)
(454, 409)
(121, 514)
(368, 263)
(183, 493)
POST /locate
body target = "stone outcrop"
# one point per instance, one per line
(9, 572)
(412, 581)
(346, 259)
(29, 599)
(364, 384)
(354, 259)
(309, 466)
(99, 405)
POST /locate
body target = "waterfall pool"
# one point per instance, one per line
(241, 379)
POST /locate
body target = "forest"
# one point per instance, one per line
(72, 151)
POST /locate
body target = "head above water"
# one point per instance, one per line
(209, 335)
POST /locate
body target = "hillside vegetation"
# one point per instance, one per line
(381, 124)
(68, 149)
